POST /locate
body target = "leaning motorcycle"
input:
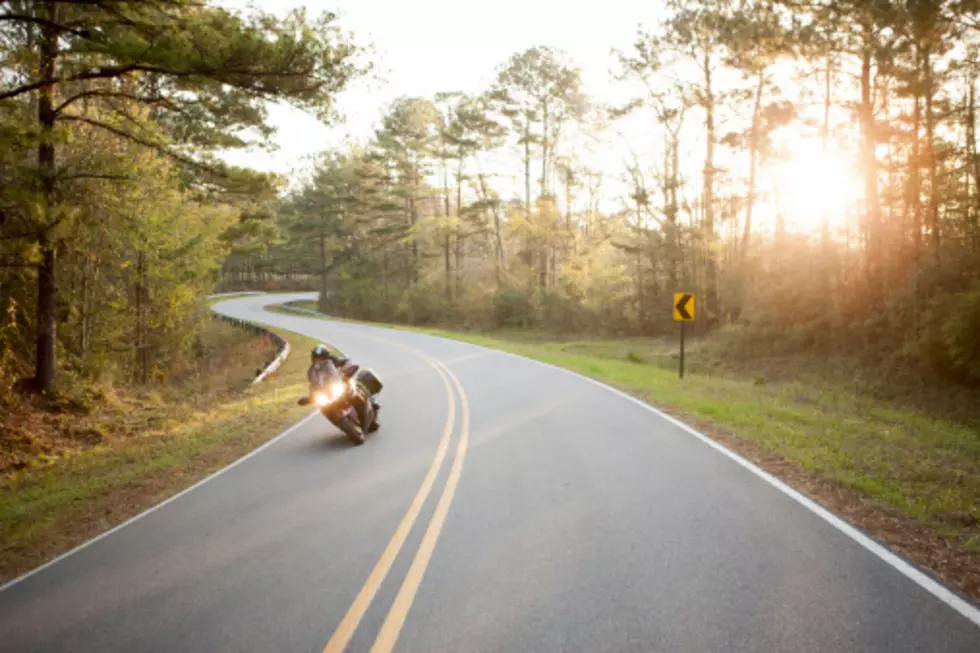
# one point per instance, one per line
(343, 396)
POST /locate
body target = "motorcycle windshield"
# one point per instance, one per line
(325, 373)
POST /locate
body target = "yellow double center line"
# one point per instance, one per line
(393, 623)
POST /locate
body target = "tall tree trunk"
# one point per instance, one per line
(973, 164)
(142, 339)
(47, 289)
(527, 163)
(415, 219)
(499, 241)
(84, 312)
(710, 270)
(933, 215)
(890, 235)
(870, 163)
(528, 254)
(568, 213)
(568, 200)
(497, 251)
(460, 251)
(497, 236)
(967, 179)
(447, 266)
(825, 146)
(47, 293)
(640, 302)
(544, 150)
(753, 165)
(384, 274)
(323, 273)
(138, 322)
(915, 167)
(459, 189)
(448, 232)
(554, 266)
(828, 272)
(673, 208)
(543, 253)
(914, 194)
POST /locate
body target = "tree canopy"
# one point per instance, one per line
(97, 97)
(809, 168)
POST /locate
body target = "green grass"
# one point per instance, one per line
(37, 497)
(925, 468)
(920, 466)
(928, 469)
(47, 509)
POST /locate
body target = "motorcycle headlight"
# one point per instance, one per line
(321, 399)
(335, 390)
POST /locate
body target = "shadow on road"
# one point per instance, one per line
(335, 440)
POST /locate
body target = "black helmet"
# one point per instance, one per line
(320, 353)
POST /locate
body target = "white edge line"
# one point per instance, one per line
(937, 589)
(274, 365)
(156, 507)
(923, 580)
(284, 350)
(234, 294)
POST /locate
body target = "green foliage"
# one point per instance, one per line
(10, 364)
(515, 308)
(111, 114)
(952, 325)
(415, 227)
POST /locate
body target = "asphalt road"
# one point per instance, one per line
(570, 519)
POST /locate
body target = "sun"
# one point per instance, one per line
(811, 185)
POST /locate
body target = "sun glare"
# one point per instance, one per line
(811, 185)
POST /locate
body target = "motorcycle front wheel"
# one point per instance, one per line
(351, 429)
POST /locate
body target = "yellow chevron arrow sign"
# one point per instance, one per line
(683, 306)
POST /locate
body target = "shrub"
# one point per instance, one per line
(951, 334)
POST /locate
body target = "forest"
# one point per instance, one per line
(116, 208)
(809, 169)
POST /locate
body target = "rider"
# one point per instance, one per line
(320, 357)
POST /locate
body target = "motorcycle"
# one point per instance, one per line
(344, 396)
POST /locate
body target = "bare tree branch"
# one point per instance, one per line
(24, 18)
(219, 74)
(158, 147)
(12, 264)
(33, 234)
(92, 175)
(102, 93)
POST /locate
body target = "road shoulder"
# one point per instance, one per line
(52, 509)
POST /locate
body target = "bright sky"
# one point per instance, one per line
(427, 46)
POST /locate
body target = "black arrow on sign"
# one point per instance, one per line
(682, 307)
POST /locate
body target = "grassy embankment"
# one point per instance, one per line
(897, 458)
(76, 467)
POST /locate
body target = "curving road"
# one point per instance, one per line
(504, 506)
